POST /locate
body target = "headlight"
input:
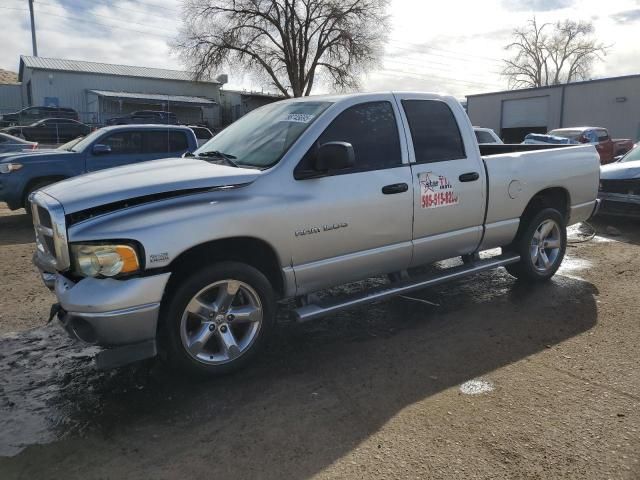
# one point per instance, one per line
(104, 260)
(9, 167)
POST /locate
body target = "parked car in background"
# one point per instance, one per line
(620, 186)
(28, 115)
(9, 143)
(203, 134)
(145, 117)
(295, 197)
(50, 130)
(486, 136)
(607, 147)
(545, 139)
(108, 147)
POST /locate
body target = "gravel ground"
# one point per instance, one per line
(491, 379)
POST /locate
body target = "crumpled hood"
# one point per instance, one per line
(620, 171)
(142, 179)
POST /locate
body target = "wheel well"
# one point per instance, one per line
(39, 181)
(555, 197)
(252, 251)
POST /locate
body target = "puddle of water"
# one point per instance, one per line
(574, 264)
(477, 386)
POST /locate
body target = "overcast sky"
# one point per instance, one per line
(450, 46)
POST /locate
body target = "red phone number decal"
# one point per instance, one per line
(439, 199)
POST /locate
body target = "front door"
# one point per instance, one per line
(354, 223)
(448, 180)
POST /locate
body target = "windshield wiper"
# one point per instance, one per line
(225, 156)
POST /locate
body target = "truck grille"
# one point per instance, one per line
(51, 231)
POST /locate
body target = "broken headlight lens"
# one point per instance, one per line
(104, 260)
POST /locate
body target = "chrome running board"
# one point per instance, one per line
(321, 308)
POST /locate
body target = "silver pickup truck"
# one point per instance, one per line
(191, 255)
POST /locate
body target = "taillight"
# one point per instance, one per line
(34, 146)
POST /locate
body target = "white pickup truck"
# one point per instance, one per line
(191, 255)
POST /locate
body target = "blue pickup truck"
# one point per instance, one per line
(108, 147)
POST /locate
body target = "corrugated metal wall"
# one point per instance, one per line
(612, 103)
(70, 89)
(10, 98)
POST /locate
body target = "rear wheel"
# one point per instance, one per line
(218, 319)
(541, 246)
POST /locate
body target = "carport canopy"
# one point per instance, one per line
(154, 97)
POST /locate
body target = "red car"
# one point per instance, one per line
(598, 136)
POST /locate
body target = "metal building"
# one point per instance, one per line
(236, 103)
(613, 103)
(99, 91)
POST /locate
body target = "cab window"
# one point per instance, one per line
(371, 129)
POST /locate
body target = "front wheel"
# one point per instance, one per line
(218, 318)
(541, 246)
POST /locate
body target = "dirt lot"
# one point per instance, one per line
(491, 379)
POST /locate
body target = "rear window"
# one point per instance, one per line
(155, 142)
(484, 137)
(202, 133)
(434, 130)
(178, 142)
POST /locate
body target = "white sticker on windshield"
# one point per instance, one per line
(298, 118)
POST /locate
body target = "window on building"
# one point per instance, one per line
(434, 130)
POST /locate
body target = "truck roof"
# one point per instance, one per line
(344, 96)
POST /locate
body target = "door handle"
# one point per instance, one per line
(395, 188)
(469, 177)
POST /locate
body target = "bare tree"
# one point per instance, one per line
(290, 42)
(552, 54)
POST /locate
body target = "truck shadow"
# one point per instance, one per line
(15, 228)
(318, 392)
(620, 229)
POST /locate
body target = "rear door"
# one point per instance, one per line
(448, 179)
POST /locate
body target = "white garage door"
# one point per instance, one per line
(526, 112)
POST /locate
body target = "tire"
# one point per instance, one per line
(225, 331)
(538, 263)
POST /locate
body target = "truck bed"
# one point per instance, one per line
(499, 149)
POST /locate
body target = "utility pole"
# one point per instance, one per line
(33, 30)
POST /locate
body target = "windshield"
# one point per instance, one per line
(262, 137)
(632, 156)
(86, 141)
(69, 145)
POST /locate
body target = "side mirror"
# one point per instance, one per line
(334, 156)
(101, 149)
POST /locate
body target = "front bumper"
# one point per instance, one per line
(111, 312)
(619, 204)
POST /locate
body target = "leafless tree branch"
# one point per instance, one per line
(551, 54)
(291, 42)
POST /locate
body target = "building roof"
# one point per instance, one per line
(154, 96)
(65, 65)
(532, 89)
(7, 76)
